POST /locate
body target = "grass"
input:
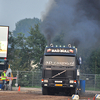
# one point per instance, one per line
(30, 86)
(33, 86)
(92, 89)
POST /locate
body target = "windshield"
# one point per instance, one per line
(59, 61)
(2, 67)
(1, 62)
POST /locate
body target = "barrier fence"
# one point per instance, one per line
(27, 78)
(92, 81)
(33, 79)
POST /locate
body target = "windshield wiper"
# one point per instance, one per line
(59, 74)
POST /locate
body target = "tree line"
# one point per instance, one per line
(23, 52)
(26, 49)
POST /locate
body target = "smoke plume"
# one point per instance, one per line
(79, 20)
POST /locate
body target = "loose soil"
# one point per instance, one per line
(36, 94)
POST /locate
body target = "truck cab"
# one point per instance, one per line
(3, 65)
(60, 70)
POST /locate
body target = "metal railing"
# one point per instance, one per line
(92, 81)
(33, 79)
(27, 78)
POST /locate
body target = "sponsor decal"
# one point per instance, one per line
(71, 51)
(48, 50)
(60, 50)
(60, 63)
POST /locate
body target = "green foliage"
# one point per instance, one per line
(21, 57)
(91, 61)
(29, 46)
(94, 62)
(22, 51)
(24, 25)
(11, 46)
(85, 54)
(36, 42)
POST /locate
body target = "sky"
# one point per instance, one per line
(12, 11)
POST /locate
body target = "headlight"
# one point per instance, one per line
(45, 84)
(46, 81)
(71, 81)
(71, 85)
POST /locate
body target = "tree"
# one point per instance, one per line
(94, 62)
(11, 46)
(36, 42)
(23, 26)
(22, 51)
(21, 57)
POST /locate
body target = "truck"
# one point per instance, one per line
(60, 70)
(4, 62)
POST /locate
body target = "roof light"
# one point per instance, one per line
(60, 46)
(56, 45)
(51, 45)
(63, 45)
(69, 45)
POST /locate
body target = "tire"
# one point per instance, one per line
(78, 92)
(51, 91)
(73, 91)
(44, 90)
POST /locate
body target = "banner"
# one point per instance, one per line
(3, 41)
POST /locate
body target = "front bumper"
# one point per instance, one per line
(68, 85)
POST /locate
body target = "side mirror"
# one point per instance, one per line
(41, 60)
(80, 60)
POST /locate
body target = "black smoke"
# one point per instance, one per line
(79, 19)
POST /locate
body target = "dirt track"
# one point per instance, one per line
(35, 94)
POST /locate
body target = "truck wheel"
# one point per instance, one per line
(73, 91)
(44, 90)
(78, 92)
(51, 91)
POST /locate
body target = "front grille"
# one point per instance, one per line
(70, 74)
(55, 72)
(47, 74)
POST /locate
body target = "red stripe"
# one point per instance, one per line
(11, 77)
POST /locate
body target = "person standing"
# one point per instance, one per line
(3, 78)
